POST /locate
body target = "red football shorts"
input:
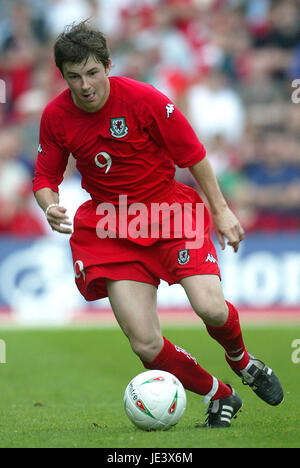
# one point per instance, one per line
(96, 259)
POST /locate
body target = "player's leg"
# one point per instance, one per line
(220, 317)
(222, 322)
(135, 307)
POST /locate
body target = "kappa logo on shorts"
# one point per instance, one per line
(210, 258)
(118, 127)
(183, 257)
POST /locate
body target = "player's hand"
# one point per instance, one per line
(228, 227)
(58, 220)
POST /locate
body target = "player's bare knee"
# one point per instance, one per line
(147, 350)
(213, 313)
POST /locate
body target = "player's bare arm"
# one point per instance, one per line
(56, 215)
(226, 224)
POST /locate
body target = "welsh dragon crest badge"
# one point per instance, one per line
(118, 127)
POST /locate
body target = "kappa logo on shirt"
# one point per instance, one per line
(40, 149)
(170, 109)
(118, 127)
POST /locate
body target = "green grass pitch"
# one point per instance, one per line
(63, 388)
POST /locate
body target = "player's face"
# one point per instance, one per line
(89, 83)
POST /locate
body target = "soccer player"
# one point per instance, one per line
(126, 138)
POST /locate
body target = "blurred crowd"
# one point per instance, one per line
(229, 65)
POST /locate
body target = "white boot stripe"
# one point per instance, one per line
(228, 408)
(226, 420)
(226, 413)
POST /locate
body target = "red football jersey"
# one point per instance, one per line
(129, 147)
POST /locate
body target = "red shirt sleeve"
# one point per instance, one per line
(169, 127)
(52, 155)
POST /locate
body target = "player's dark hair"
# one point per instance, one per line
(77, 43)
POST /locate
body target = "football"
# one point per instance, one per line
(155, 400)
